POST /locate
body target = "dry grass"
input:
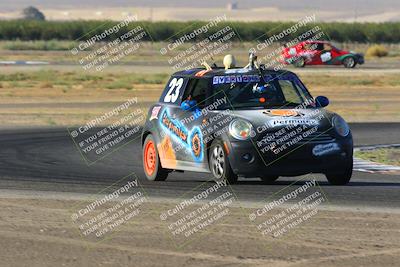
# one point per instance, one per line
(59, 51)
(359, 98)
(69, 98)
(73, 97)
(389, 156)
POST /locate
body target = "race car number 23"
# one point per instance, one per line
(174, 86)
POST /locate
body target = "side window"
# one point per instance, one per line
(308, 47)
(320, 46)
(290, 92)
(173, 90)
(197, 90)
(189, 88)
(327, 47)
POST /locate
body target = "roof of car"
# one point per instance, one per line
(203, 73)
(318, 42)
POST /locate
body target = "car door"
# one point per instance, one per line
(168, 126)
(181, 146)
(197, 92)
(336, 53)
(316, 54)
(327, 54)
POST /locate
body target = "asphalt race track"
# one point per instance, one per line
(45, 159)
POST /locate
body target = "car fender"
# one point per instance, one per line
(343, 57)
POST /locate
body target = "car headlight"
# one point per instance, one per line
(341, 127)
(240, 129)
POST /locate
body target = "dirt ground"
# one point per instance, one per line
(39, 232)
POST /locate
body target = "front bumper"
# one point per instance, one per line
(248, 161)
(360, 59)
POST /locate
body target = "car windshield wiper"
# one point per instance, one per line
(248, 107)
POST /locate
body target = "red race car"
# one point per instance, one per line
(320, 53)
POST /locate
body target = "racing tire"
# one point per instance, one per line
(269, 179)
(300, 63)
(219, 163)
(349, 62)
(343, 176)
(151, 161)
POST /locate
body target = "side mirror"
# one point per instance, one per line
(188, 105)
(321, 101)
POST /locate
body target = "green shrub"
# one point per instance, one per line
(388, 32)
(52, 45)
(377, 51)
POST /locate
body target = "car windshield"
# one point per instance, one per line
(337, 46)
(251, 91)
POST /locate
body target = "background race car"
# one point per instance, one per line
(320, 53)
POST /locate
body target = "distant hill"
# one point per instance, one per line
(247, 10)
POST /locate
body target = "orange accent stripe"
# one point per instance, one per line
(226, 148)
(201, 73)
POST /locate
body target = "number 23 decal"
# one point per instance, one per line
(174, 86)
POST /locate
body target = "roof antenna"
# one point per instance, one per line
(252, 62)
(213, 65)
(205, 64)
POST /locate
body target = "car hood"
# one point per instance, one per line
(279, 118)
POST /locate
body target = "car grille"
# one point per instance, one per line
(316, 137)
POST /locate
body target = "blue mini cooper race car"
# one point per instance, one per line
(247, 122)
